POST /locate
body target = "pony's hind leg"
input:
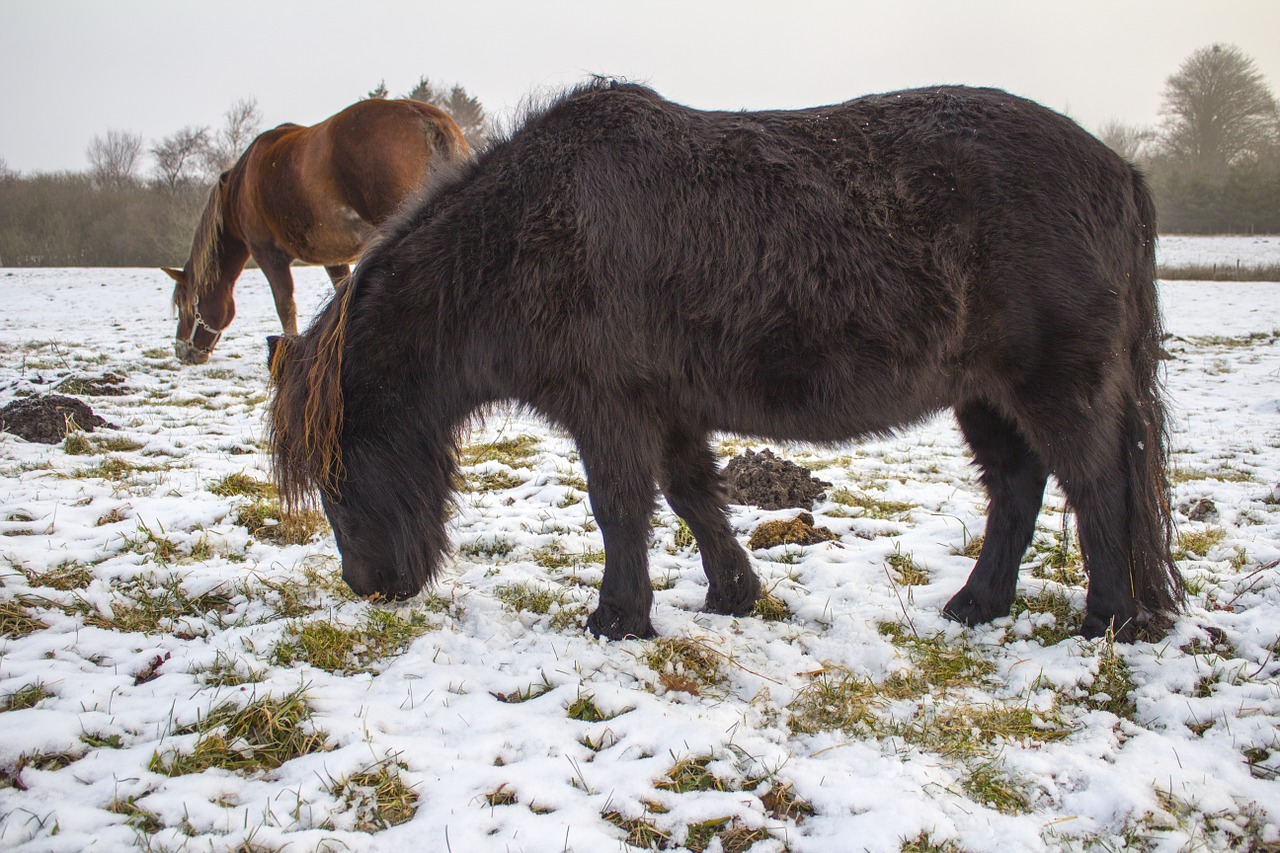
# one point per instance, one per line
(1100, 500)
(1084, 444)
(691, 482)
(1014, 477)
(620, 484)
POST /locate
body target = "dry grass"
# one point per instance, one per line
(242, 484)
(378, 795)
(686, 665)
(512, 452)
(265, 520)
(349, 649)
(262, 735)
(16, 620)
(868, 506)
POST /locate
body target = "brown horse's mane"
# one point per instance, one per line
(204, 252)
(306, 414)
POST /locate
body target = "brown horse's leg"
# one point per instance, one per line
(1014, 477)
(275, 266)
(338, 273)
(691, 482)
(620, 483)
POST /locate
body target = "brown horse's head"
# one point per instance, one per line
(202, 313)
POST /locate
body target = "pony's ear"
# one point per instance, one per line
(176, 275)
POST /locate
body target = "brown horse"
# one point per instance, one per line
(311, 193)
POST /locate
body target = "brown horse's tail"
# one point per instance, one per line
(1156, 584)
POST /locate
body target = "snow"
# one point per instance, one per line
(1227, 251)
(433, 707)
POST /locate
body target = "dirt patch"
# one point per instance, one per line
(793, 531)
(47, 419)
(763, 480)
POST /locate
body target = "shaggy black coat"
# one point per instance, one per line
(643, 274)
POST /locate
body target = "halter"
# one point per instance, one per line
(198, 323)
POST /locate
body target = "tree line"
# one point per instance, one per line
(1213, 163)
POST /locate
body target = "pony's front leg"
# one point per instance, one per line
(620, 484)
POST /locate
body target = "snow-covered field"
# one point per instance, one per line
(1255, 251)
(136, 609)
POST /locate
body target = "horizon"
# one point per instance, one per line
(129, 65)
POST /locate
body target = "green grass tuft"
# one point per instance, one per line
(147, 605)
(17, 621)
(144, 821)
(584, 708)
(1066, 619)
(684, 664)
(641, 832)
(1113, 685)
(906, 571)
(334, 648)
(265, 520)
(26, 696)
(487, 549)
(691, 774)
(1197, 544)
(556, 556)
(531, 598)
(261, 735)
(379, 797)
(508, 451)
(66, 576)
(242, 484)
(870, 507)
(770, 608)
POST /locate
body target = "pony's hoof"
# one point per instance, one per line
(739, 600)
(619, 626)
(1095, 626)
(967, 609)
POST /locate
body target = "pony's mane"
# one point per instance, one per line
(204, 252)
(306, 413)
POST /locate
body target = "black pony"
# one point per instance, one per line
(643, 274)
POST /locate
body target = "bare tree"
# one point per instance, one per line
(6, 173)
(240, 127)
(113, 160)
(463, 107)
(1129, 141)
(1218, 110)
(181, 156)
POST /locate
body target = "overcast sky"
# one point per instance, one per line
(70, 69)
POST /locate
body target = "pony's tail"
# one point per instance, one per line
(1156, 583)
